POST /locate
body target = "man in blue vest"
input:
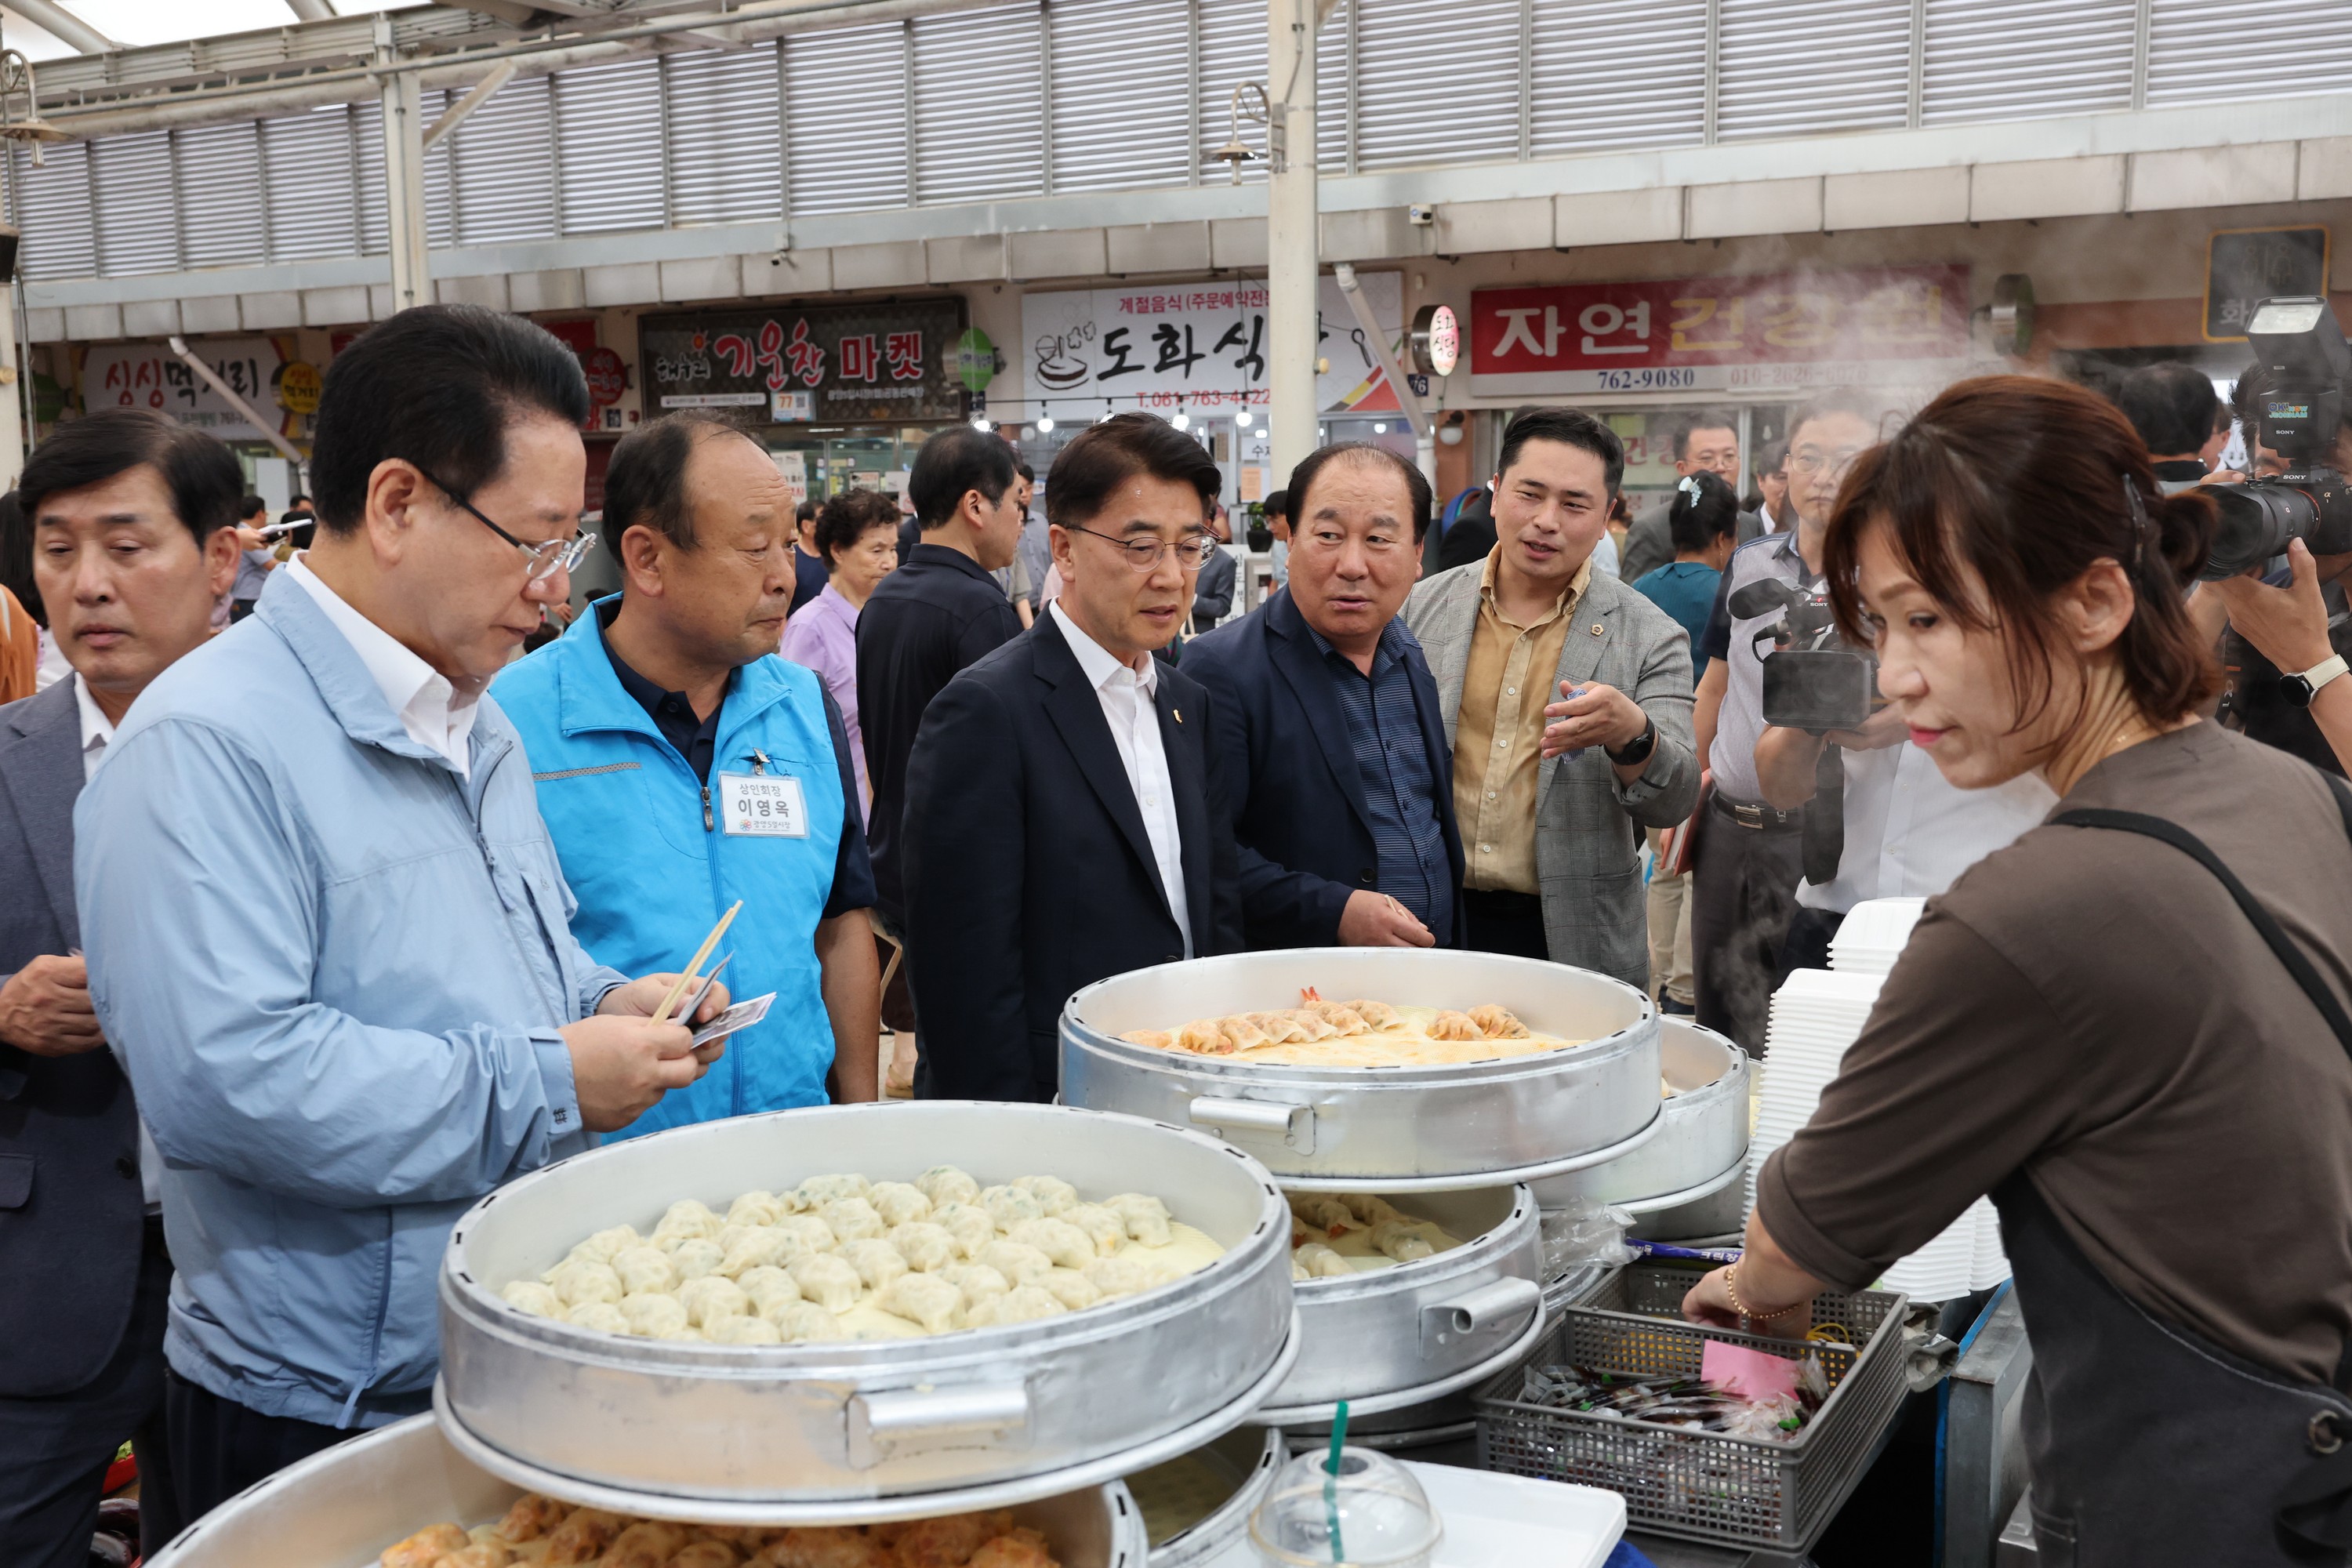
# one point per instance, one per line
(682, 766)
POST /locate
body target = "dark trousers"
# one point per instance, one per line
(1743, 893)
(220, 1447)
(54, 1451)
(238, 609)
(1807, 946)
(1504, 922)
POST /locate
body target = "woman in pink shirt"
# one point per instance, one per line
(857, 537)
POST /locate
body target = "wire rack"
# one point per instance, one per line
(1701, 1486)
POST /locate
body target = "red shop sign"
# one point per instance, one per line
(1790, 328)
(607, 378)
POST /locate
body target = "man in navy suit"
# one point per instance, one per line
(1062, 824)
(1330, 744)
(133, 541)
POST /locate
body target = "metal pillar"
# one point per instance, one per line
(404, 177)
(12, 401)
(1292, 252)
(1425, 434)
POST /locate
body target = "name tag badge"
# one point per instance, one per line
(762, 805)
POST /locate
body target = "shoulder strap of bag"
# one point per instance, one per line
(2188, 844)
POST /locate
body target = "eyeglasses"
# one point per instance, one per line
(544, 560)
(1811, 462)
(1145, 554)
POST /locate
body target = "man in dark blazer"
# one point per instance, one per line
(1331, 743)
(132, 520)
(1061, 823)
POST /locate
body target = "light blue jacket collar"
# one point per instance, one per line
(341, 676)
(590, 696)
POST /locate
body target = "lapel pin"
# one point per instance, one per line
(1594, 628)
(1178, 714)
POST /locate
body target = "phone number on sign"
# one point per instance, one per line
(1644, 380)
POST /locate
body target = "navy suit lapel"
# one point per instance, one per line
(1188, 776)
(41, 772)
(1077, 713)
(1295, 655)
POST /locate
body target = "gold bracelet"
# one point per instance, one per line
(1744, 1315)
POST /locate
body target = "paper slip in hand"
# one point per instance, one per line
(1753, 1376)
(741, 1016)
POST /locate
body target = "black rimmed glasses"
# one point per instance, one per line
(1145, 554)
(544, 560)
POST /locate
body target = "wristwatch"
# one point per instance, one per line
(2301, 689)
(1647, 741)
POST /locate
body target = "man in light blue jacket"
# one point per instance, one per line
(682, 767)
(326, 931)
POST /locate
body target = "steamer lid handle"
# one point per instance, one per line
(914, 1420)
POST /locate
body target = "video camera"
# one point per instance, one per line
(2299, 344)
(1812, 681)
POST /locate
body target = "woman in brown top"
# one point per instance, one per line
(2089, 1027)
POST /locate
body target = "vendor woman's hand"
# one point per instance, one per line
(2287, 625)
(1709, 1303)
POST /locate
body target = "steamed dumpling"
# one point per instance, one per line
(530, 1296)
(651, 1316)
(805, 1233)
(1103, 1227)
(599, 1247)
(1369, 1208)
(1316, 1261)
(1405, 1240)
(928, 1302)
(876, 1261)
(971, 1225)
(579, 1282)
(755, 1208)
(686, 1218)
(768, 1286)
(743, 1330)
(602, 1316)
(1123, 1276)
(712, 1297)
(944, 1185)
(758, 1246)
(1053, 1193)
(1325, 1213)
(978, 1282)
(1016, 1260)
(829, 1282)
(806, 1321)
(852, 1219)
(645, 1270)
(1065, 1243)
(1023, 1304)
(899, 1202)
(819, 1191)
(1071, 1289)
(695, 1259)
(925, 1247)
(1008, 1206)
(1147, 1217)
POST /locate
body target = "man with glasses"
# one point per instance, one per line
(1330, 741)
(1749, 850)
(683, 767)
(325, 926)
(1062, 824)
(1705, 440)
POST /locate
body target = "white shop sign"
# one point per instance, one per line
(149, 376)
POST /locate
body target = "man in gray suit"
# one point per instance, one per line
(133, 541)
(1705, 439)
(1567, 698)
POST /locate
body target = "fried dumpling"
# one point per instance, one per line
(1452, 1026)
(1060, 1240)
(926, 1247)
(900, 1203)
(876, 1261)
(1053, 1194)
(1241, 1035)
(530, 1296)
(948, 1541)
(650, 1316)
(1343, 1019)
(645, 1270)
(579, 1282)
(830, 1281)
(1279, 1028)
(426, 1547)
(1103, 1227)
(710, 1297)
(1147, 1217)
(768, 1286)
(926, 1300)
(648, 1543)
(1017, 1261)
(531, 1516)
(1405, 1240)
(743, 1330)
(1158, 1039)
(582, 1537)
(602, 1316)
(852, 1219)
(706, 1554)
(977, 1281)
(1019, 1547)
(1316, 1261)
(1203, 1038)
(806, 1321)
(945, 1184)
(825, 1546)
(973, 1227)
(1379, 1015)
(1324, 1212)
(1498, 1023)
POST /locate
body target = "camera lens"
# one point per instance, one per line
(2254, 524)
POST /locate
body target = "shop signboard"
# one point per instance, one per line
(849, 364)
(1866, 326)
(2244, 266)
(149, 376)
(1201, 345)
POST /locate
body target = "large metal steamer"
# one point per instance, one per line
(1686, 1181)
(342, 1508)
(1393, 1129)
(1391, 1338)
(859, 1431)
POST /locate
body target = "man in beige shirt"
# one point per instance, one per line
(1568, 696)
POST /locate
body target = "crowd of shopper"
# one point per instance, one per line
(326, 923)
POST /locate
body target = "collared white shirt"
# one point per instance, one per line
(1909, 833)
(97, 735)
(1128, 698)
(428, 706)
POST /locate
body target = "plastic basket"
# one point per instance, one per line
(1701, 1486)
